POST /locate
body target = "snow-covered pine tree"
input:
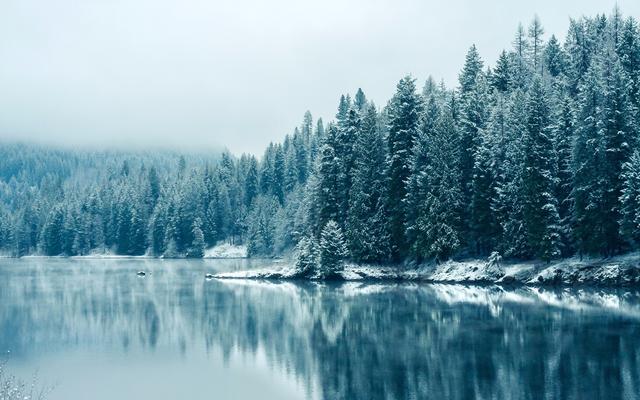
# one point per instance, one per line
(171, 250)
(540, 208)
(5, 229)
(404, 112)
(196, 250)
(138, 234)
(266, 169)
(277, 183)
(290, 164)
(587, 190)
(471, 70)
(365, 230)
(474, 113)
(301, 151)
(154, 187)
(251, 185)
(157, 226)
(554, 58)
(630, 201)
(563, 136)
(360, 101)
(315, 143)
(483, 225)
(344, 143)
(628, 50)
(332, 250)
(343, 110)
(123, 230)
(619, 141)
(418, 182)
(51, 237)
(262, 226)
(436, 191)
(508, 125)
(328, 182)
(307, 257)
(501, 77)
(578, 54)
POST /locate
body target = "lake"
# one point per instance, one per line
(96, 331)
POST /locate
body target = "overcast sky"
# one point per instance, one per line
(236, 73)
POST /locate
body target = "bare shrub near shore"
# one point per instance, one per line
(14, 388)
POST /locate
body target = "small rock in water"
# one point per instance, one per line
(208, 276)
(141, 273)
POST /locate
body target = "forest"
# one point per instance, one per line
(535, 157)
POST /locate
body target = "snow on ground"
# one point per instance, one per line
(617, 271)
(468, 271)
(277, 272)
(226, 250)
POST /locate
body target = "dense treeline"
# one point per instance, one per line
(63, 202)
(536, 157)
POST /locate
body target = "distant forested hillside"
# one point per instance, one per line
(534, 157)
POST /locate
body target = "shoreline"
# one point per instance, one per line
(614, 272)
(621, 271)
(219, 252)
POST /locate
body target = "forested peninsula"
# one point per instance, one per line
(533, 159)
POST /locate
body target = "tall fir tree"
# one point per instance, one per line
(587, 190)
(508, 124)
(554, 58)
(563, 136)
(328, 185)
(435, 191)
(501, 78)
(344, 142)
(251, 184)
(196, 250)
(540, 208)
(404, 114)
(619, 141)
(630, 201)
(366, 229)
(628, 49)
(472, 121)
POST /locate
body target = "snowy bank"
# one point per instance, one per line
(613, 272)
(226, 250)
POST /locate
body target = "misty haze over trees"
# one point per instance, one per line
(534, 157)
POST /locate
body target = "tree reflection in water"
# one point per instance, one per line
(395, 341)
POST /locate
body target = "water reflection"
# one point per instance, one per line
(400, 341)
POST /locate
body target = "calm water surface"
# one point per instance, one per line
(97, 331)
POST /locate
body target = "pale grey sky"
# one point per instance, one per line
(235, 73)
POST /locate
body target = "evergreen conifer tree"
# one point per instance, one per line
(196, 250)
(365, 228)
(332, 249)
(540, 208)
(404, 114)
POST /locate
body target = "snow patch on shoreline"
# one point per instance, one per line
(614, 272)
(226, 250)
